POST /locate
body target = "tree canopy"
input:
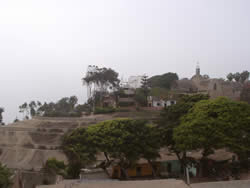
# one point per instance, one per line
(213, 124)
(238, 77)
(171, 118)
(102, 77)
(165, 81)
(122, 142)
(79, 149)
(125, 141)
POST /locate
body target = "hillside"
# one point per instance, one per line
(28, 144)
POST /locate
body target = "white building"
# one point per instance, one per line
(135, 81)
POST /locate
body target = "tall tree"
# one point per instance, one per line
(24, 109)
(230, 77)
(237, 76)
(102, 77)
(1, 115)
(244, 76)
(144, 85)
(79, 149)
(171, 118)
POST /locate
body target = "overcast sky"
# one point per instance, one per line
(45, 46)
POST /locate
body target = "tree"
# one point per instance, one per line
(65, 107)
(140, 97)
(165, 81)
(5, 175)
(145, 86)
(213, 124)
(125, 141)
(171, 118)
(24, 108)
(32, 108)
(230, 77)
(79, 149)
(244, 76)
(237, 76)
(102, 77)
(1, 116)
(55, 167)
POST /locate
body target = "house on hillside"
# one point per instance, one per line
(160, 102)
(126, 97)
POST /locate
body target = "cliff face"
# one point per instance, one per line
(28, 144)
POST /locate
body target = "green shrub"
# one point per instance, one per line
(5, 175)
(99, 110)
(63, 114)
(123, 110)
(53, 166)
(126, 104)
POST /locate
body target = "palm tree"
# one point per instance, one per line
(1, 116)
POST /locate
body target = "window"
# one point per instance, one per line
(215, 86)
(169, 167)
(138, 171)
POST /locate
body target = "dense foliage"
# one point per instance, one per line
(164, 81)
(65, 107)
(213, 124)
(171, 118)
(106, 110)
(102, 77)
(5, 175)
(53, 166)
(238, 77)
(140, 97)
(79, 149)
(194, 123)
(122, 141)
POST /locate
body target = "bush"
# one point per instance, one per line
(63, 114)
(123, 110)
(53, 166)
(99, 110)
(5, 175)
(126, 104)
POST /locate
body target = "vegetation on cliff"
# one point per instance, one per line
(5, 175)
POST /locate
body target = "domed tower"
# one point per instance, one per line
(198, 70)
(197, 77)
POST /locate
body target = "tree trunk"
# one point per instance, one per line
(124, 173)
(182, 161)
(153, 169)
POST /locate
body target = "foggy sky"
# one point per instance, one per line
(45, 46)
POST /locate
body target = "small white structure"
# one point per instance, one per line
(158, 102)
